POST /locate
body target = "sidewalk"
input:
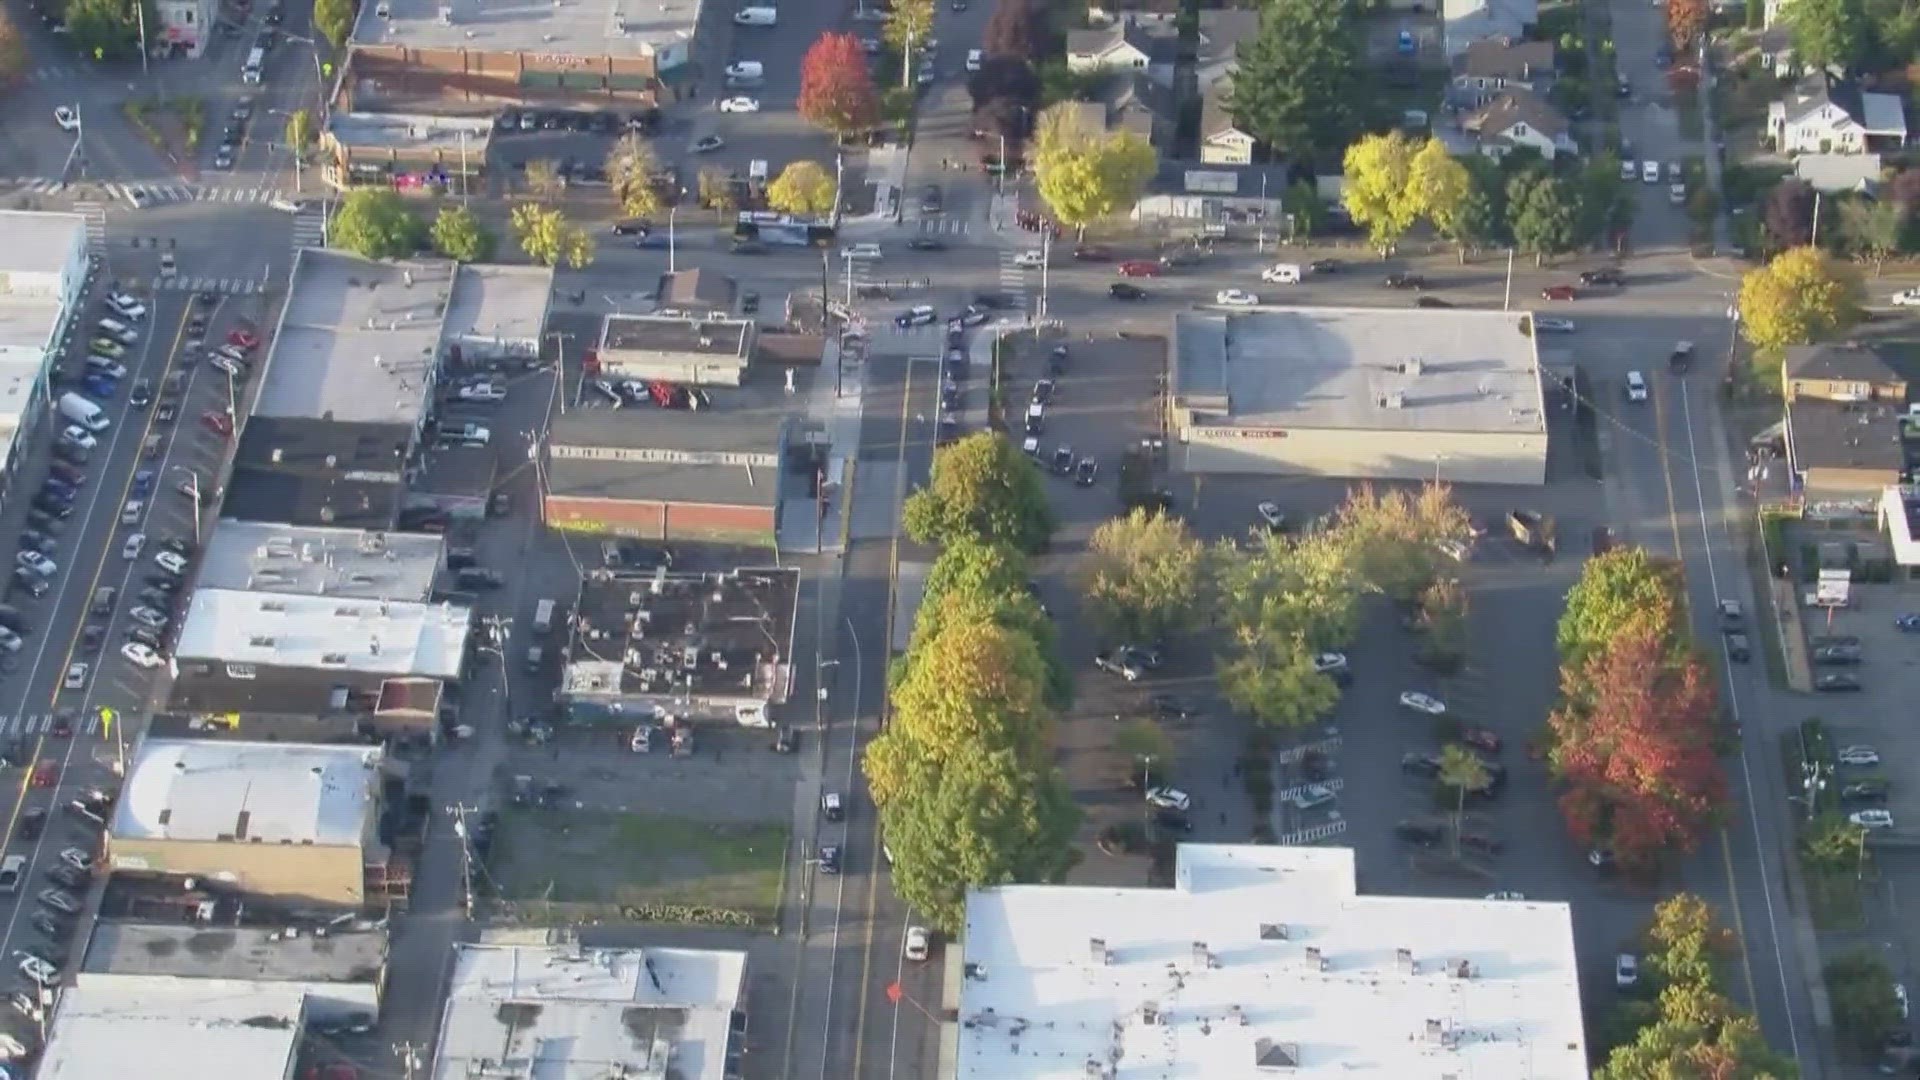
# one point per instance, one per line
(837, 416)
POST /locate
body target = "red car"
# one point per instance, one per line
(1139, 268)
(242, 338)
(1558, 292)
(218, 422)
(1481, 739)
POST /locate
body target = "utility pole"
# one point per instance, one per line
(1261, 243)
(1046, 251)
(459, 812)
(1506, 303)
(1814, 240)
(906, 63)
(140, 15)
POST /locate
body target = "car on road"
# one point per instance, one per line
(974, 59)
(1169, 798)
(916, 943)
(1907, 297)
(1909, 623)
(1168, 707)
(1650, 172)
(68, 119)
(1626, 970)
(1403, 280)
(142, 394)
(1836, 683)
(1310, 796)
(1606, 275)
(1118, 662)
(1858, 755)
(833, 806)
(1506, 894)
(12, 872)
(919, 315)
(1549, 325)
(76, 677)
(75, 435)
(1629, 169)
(1559, 292)
(1271, 516)
(830, 858)
(706, 144)
(740, 104)
(926, 243)
(486, 391)
(1140, 268)
(223, 157)
(1236, 298)
(1872, 819)
(1085, 471)
(130, 548)
(1419, 702)
(1120, 290)
(970, 316)
(1900, 998)
(860, 251)
(36, 562)
(1421, 833)
(1031, 259)
(1092, 253)
(141, 654)
(1636, 386)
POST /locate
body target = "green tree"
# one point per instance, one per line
(549, 238)
(983, 487)
(1393, 536)
(1304, 206)
(1273, 680)
(1299, 79)
(299, 131)
(1542, 216)
(1801, 297)
(1286, 587)
(1461, 771)
(334, 20)
(803, 187)
(1832, 843)
(1623, 589)
(376, 225)
(1084, 175)
(1606, 202)
(459, 235)
(107, 29)
(1727, 1045)
(717, 190)
(1379, 191)
(1829, 33)
(1443, 624)
(909, 24)
(1143, 576)
(544, 179)
(1685, 942)
(1143, 744)
(13, 49)
(1450, 197)
(1860, 988)
(1873, 229)
(631, 172)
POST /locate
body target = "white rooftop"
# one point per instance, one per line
(108, 1027)
(498, 309)
(299, 793)
(1219, 977)
(356, 339)
(325, 632)
(38, 242)
(560, 1014)
(352, 563)
(542, 28)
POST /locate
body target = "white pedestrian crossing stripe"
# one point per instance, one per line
(42, 724)
(947, 225)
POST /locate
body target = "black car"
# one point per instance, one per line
(830, 859)
(1419, 832)
(93, 638)
(1173, 821)
(144, 636)
(179, 545)
(28, 582)
(1837, 655)
(1062, 460)
(786, 741)
(990, 301)
(155, 599)
(68, 876)
(1168, 707)
(931, 201)
(1120, 290)
(1864, 791)
(475, 577)
(1606, 275)
(35, 540)
(1420, 763)
(48, 503)
(1405, 281)
(44, 922)
(1324, 266)
(43, 521)
(1431, 302)
(1836, 683)
(33, 822)
(1084, 472)
(166, 583)
(631, 228)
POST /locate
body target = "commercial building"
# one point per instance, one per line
(186, 26)
(1846, 434)
(714, 475)
(284, 821)
(1370, 393)
(697, 294)
(404, 149)
(301, 560)
(496, 315)
(1263, 961)
(641, 1014)
(345, 956)
(456, 53)
(697, 646)
(697, 352)
(344, 393)
(43, 274)
(162, 1028)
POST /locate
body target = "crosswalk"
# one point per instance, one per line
(221, 286)
(96, 216)
(310, 227)
(944, 226)
(1013, 280)
(1313, 834)
(55, 73)
(42, 723)
(141, 194)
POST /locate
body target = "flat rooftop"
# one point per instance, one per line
(720, 633)
(39, 241)
(671, 334)
(356, 339)
(1845, 435)
(1263, 959)
(621, 28)
(188, 789)
(1360, 369)
(344, 563)
(161, 1028)
(454, 135)
(566, 1014)
(727, 454)
(332, 633)
(252, 953)
(499, 308)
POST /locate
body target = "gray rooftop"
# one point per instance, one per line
(413, 131)
(647, 333)
(236, 952)
(1360, 369)
(618, 28)
(634, 633)
(267, 557)
(726, 455)
(356, 339)
(499, 308)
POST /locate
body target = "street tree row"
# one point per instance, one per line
(963, 772)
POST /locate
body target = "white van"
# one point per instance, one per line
(83, 412)
(250, 71)
(756, 16)
(543, 616)
(1282, 273)
(860, 251)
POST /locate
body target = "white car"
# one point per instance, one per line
(1167, 798)
(76, 677)
(1311, 796)
(66, 118)
(171, 562)
(745, 69)
(11, 641)
(1328, 662)
(1627, 171)
(130, 550)
(1235, 298)
(860, 251)
(917, 943)
(1426, 703)
(1548, 324)
(1858, 755)
(740, 104)
(79, 436)
(1677, 194)
(1907, 298)
(1029, 260)
(1275, 518)
(1872, 819)
(482, 392)
(974, 59)
(1900, 995)
(1650, 172)
(1626, 970)
(1506, 894)
(141, 654)
(126, 306)
(1636, 386)
(37, 563)
(149, 618)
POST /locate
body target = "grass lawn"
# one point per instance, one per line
(626, 859)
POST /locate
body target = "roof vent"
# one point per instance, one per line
(1413, 366)
(1314, 959)
(1097, 950)
(1403, 960)
(1460, 969)
(1273, 931)
(1441, 1033)
(1150, 1014)
(1202, 958)
(1269, 1055)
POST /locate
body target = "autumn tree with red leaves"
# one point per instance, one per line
(1686, 21)
(1634, 747)
(836, 91)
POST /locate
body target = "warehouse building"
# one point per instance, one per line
(283, 821)
(1262, 961)
(1369, 393)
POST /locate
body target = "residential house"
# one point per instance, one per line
(1222, 33)
(1827, 115)
(1223, 140)
(1839, 173)
(1464, 22)
(1108, 12)
(1776, 53)
(1488, 68)
(1213, 196)
(1123, 46)
(1519, 118)
(1844, 406)
(1846, 372)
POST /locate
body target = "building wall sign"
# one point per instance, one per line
(658, 456)
(1239, 433)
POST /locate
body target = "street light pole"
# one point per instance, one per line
(671, 211)
(193, 492)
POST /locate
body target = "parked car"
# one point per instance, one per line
(1419, 702)
(1872, 819)
(1858, 755)
(1626, 970)
(1421, 833)
(1169, 798)
(1838, 683)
